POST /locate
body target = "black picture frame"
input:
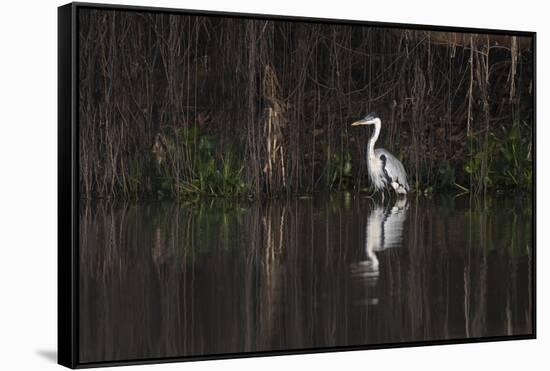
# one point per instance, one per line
(68, 191)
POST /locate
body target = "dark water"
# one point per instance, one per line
(166, 279)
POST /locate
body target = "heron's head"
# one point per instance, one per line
(369, 119)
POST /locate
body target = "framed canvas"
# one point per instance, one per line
(236, 185)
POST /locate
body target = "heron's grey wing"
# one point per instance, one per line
(393, 167)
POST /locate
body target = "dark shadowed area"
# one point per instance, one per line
(166, 279)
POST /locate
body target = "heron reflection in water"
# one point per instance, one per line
(384, 230)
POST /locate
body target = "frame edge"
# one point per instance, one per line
(67, 320)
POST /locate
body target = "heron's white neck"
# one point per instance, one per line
(374, 137)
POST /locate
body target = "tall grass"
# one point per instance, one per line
(183, 106)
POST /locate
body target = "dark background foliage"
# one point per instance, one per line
(185, 106)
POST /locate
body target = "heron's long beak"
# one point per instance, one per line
(359, 122)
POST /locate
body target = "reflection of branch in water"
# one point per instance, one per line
(384, 230)
(166, 279)
(271, 278)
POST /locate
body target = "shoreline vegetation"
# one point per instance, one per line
(186, 107)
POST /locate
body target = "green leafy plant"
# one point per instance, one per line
(200, 170)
